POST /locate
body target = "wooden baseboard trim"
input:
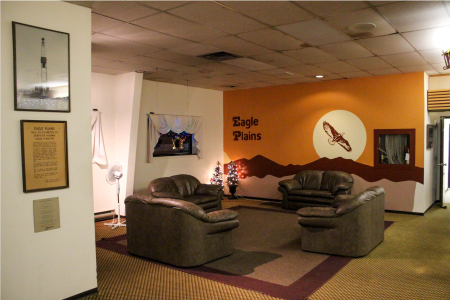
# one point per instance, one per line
(83, 294)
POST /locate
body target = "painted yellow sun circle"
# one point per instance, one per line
(339, 133)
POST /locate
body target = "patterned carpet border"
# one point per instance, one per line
(299, 290)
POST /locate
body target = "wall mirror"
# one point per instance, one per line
(394, 148)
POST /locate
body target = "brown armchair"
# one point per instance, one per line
(188, 188)
(352, 226)
(177, 232)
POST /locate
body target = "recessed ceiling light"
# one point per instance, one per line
(361, 27)
(319, 76)
(289, 73)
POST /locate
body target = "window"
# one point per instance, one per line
(394, 148)
(174, 144)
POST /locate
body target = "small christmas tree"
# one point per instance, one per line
(232, 179)
(217, 177)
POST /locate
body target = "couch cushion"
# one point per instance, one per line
(186, 184)
(201, 199)
(312, 193)
(310, 179)
(163, 184)
(311, 200)
(332, 178)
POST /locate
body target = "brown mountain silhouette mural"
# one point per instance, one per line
(261, 166)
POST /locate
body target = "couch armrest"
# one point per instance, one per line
(348, 205)
(208, 189)
(343, 186)
(138, 199)
(317, 212)
(221, 215)
(341, 198)
(167, 195)
(290, 184)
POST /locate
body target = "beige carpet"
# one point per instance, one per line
(413, 263)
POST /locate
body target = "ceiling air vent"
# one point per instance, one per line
(219, 56)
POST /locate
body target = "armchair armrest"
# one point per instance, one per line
(221, 215)
(343, 186)
(318, 212)
(167, 195)
(208, 189)
(290, 184)
(348, 205)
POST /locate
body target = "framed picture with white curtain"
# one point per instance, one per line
(41, 69)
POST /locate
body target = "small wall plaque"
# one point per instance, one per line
(46, 214)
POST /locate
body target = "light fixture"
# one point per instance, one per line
(319, 76)
(446, 55)
(361, 27)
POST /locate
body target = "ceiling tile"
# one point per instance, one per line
(195, 49)
(436, 38)
(357, 74)
(368, 15)
(102, 52)
(151, 62)
(259, 84)
(331, 77)
(331, 7)
(164, 5)
(105, 70)
(305, 79)
(346, 50)
(278, 59)
(282, 73)
(114, 43)
(383, 45)
(314, 32)
(272, 39)
(382, 72)
(145, 36)
(378, 3)
(178, 27)
(122, 10)
(369, 63)
(415, 15)
(256, 76)
(248, 63)
(423, 68)
(280, 81)
(96, 61)
(99, 23)
(338, 67)
(216, 16)
(404, 59)
(308, 70)
(433, 56)
(310, 55)
(178, 58)
(237, 46)
(219, 69)
(270, 12)
(439, 68)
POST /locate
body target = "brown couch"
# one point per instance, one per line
(352, 226)
(314, 188)
(188, 188)
(177, 232)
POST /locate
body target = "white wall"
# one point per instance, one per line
(59, 263)
(117, 98)
(165, 98)
(429, 164)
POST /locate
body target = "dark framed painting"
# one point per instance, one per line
(44, 155)
(430, 136)
(41, 69)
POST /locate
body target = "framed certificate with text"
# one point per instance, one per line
(44, 155)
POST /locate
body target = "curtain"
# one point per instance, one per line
(395, 148)
(157, 124)
(98, 148)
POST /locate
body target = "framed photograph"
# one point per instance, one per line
(44, 155)
(41, 69)
(430, 135)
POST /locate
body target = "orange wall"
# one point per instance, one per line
(288, 115)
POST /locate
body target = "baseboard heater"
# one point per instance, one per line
(104, 215)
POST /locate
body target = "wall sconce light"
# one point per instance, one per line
(446, 55)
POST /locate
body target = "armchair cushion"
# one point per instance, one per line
(201, 199)
(342, 186)
(314, 193)
(186, 184)
(167, 195)
(290, 184)
(221, 215)
(310, 179)
(320, 212)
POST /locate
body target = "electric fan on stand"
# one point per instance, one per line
(113, 174)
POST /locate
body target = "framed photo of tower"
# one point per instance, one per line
(41, 69)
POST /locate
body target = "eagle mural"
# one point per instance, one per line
(336, 137)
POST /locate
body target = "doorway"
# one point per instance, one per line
(444, 161)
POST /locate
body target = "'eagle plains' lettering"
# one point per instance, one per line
(247, 123)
